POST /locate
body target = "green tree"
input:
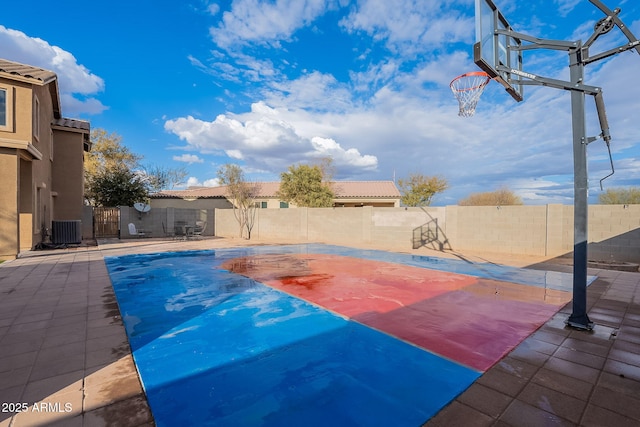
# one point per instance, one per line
(304, 186)
(106, 162)
(620, 196)
(242, 195)
(419, 190)
(117, 187)
(501, 197)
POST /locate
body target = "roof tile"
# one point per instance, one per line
(36, 75)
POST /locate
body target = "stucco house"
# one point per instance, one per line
(41, 158)
(347, 194)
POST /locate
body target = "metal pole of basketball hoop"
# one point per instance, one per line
(578, 58)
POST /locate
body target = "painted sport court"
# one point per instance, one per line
(318, 334)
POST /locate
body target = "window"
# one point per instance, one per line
(3, 107)
(6, 108)
(36, 118)
(284, 205)
(260, 205)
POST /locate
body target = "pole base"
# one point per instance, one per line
(580, 322)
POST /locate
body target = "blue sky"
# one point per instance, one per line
(268, 84)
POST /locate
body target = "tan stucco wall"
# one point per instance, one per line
(68, 171)
(27, 169)
(374, 202)
(41, 169)
(26, 231)
(26, 206)
(614, 230)
(22, 98)
(18, 186)
(272, 203)
(220, 203)
(9, 243)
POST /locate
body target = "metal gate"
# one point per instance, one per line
(106, 222)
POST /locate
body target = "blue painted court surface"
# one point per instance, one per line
(217, 348)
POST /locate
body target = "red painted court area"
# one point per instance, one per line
(467, 319)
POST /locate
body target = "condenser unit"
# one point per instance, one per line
(63, 232)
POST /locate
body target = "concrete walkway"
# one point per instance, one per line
(65, 359)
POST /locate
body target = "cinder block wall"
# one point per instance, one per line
(290, 223)
(156, 221)
(503, 229)
(339, 225)
(614, 230)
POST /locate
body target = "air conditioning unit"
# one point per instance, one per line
(63, 232)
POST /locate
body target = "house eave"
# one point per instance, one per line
(25, 146)
(34, 152)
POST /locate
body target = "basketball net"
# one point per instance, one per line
(467, 88)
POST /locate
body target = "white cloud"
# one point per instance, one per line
(395, 113)
(542, 191)
(566, 6)
(72, 106)
(195, 182)
(254, 21)
(407, 26)
(213, 9)
(327, 147)
(410, 124)
(77, 84)
(315, 91)
(188, 158)
(196, 63)
(264, 138)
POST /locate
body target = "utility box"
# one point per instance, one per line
(63, 232)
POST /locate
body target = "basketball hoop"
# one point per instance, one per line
(467, 88)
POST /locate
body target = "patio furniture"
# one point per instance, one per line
(183, 230)
(135, 232)
(179, 231)
(198, 230)
(168, 233)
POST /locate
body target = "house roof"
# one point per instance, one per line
(359, 189)
(72, 123)
(75, 125)
(341, 189)
(33, 75)
(26, 73)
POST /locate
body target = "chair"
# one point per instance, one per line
(198, 230)
(134, 232)
(179, 231)
(168, 233)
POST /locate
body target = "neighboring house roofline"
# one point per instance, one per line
(342, 190)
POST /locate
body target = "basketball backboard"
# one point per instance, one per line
(493, 51)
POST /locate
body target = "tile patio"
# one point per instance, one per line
(64, 353)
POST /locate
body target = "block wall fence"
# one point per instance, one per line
(614, 230)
